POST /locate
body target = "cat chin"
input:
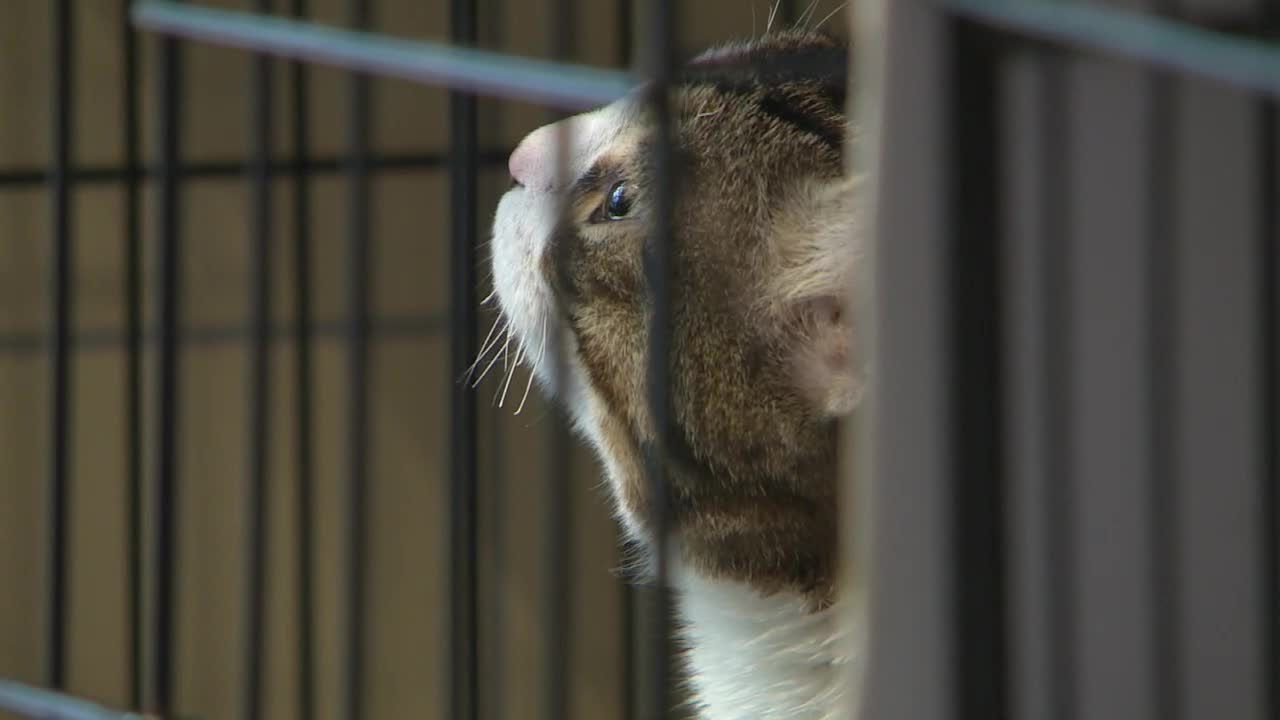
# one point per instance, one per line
(521, 227)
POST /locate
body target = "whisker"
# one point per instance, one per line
(542, 348)
(489, 297)
(824, 20)
(528, 384)
(808, 13)
(494, 361)
(507, 385)
(484, 348)
(772, 13)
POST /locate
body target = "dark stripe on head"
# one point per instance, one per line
(788, 109)
(764, 67)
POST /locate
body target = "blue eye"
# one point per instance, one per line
(617, 205)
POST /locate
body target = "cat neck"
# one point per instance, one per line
(753, 655)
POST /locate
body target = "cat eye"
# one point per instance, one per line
(617, 204)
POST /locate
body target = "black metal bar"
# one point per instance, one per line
(464, 687)
(558, 605)
(390, 327)
(358, 269)
(1270, 477)
(62, 279)
(973, 187)
(1179, 47)
(1056, 276)
(303, 376)
(626, 58)
(23, 178)
(571, 87)
(259, 386)
(1268, 203)
(1162, 400)
(133, 354)
(626, 37)
(659, 62)
(164, 540)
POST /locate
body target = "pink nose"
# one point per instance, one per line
(530, 164)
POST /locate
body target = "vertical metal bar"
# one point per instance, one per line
(1059, 507)
(357, 368)
(558, 603)
(259, 400)
(303, 445)
(626, 58)
(910, 593)
(1268, 203)
(626, 36)
(168, 313)
(62, 278)
(659, 61)
(1161, 395)
(464, 576)
(977, 482)
(133, 354)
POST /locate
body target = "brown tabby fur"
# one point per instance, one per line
(753, 460)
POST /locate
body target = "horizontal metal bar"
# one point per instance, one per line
(30, 702)
(558, 84)
(395, 327)
(1240, 62)
(22, 177)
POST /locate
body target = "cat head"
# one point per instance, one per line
(762, 360)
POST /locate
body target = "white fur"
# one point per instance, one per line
(761, 658)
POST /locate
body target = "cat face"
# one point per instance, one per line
(762, 356)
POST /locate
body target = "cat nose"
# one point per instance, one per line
(530, 164)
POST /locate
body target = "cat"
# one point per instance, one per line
(763, 361)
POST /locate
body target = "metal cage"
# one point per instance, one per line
(1067, 473)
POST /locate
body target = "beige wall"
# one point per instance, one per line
(407, 559)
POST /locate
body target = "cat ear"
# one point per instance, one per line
(818, 249)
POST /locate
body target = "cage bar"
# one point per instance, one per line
(132, 263)
(911, 594)
(1269, 478)
(659, 62)
(31, 702)
(19, 178)
(259, 386)
(1268, 203)
(164, 539)
(1181, 47)
(358, 270)
(558, 602)
(304, 453)
(464, 694)
(568, 86)
(975, 374)
(1057, 283)
(626, 36)
(1162, 393)
(630, 594)
(409, 325)
(61, 283)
